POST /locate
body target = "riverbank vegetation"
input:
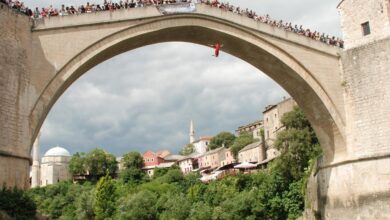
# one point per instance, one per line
(274, 193)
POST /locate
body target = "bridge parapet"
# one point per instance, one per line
(148, 13)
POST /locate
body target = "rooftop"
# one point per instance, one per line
(57, 152)
(251, 146)
(173, 157)
(269, 107)
(214, 151)
(259, 122)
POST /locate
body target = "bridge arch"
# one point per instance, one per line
(287, 69)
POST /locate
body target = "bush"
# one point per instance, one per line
(17, 204)
(141, 205)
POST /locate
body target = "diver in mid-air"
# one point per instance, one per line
(217, 46)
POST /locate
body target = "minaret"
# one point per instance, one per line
(192, 133)
(35, 170)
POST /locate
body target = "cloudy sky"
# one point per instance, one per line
(130, 103)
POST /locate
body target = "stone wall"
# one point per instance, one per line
(15, 42)
(367, 83)
(356, 12)
(359, 187)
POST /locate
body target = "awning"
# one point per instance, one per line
(227, 166)
(245, 165)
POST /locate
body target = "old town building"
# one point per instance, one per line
(253, 153)
(254, 128)
(272, 124)
(159, 159)
(189, 163)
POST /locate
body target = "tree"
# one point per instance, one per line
(95, 164)
(187, 150)
(200, 211)
(133, 160)
(77, 164)
(105, 198)
(99, 163)
(297, 144)
(173, 207)
(240, 142)
(84, 206)
(223, 138)
(132, 175)
(140, 205)
(16, 204)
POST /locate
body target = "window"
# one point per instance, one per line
(276, 115)
(267, 134)
(366, 28)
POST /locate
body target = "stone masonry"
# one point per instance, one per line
(343, 93)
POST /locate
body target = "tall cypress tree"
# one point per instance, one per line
(105, 198)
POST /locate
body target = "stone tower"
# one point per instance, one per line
(35, 170)
(364, 21)
(358, 188)
(192, 132)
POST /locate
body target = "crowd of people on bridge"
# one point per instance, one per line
(108, 5)
(288, 26)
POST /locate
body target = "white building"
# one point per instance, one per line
(53, 168)
(201, 145)
(189, 163)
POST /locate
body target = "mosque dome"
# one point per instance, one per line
(57, 152)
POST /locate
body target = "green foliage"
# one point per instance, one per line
(132, 175)
(59, 201)
(187, 150)
(138, 206)
(240, 142)
(77, 164)
(172, 176)
(95, 163)
(159, 172)
(200, 211)
(84, 206)
(275, 193)
(295, 119)
(133, 160)
(17, 204)
(105, 198)
(239, 207)
(173, 207)
(297, 144)
(293, 200)
(223, 138)
(99, 163)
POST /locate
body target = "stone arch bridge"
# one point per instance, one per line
(41, 59)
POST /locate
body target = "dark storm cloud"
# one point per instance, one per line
(145, 98)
